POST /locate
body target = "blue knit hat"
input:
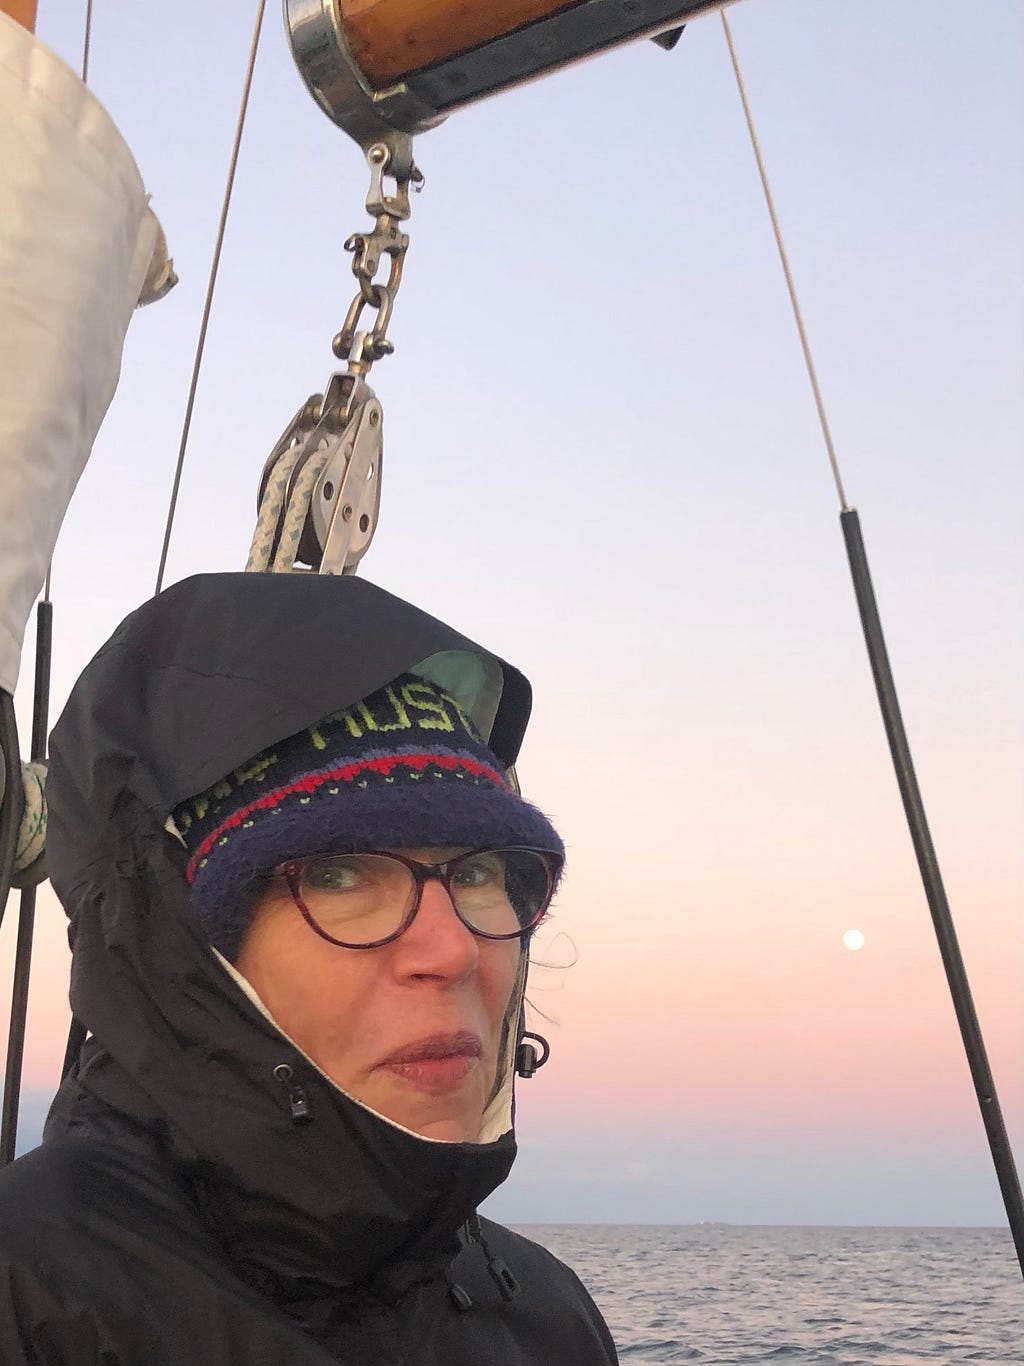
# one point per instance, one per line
(404, 768)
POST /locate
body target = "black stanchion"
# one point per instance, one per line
(27, 911)
(935, 892)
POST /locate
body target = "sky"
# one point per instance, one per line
(603, 463)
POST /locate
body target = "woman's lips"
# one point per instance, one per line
(439, 1063)
(434, 1074)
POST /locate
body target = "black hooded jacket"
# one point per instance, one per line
(203, 1193)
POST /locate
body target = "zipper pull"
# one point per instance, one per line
(498, 1271)
(296, 1095)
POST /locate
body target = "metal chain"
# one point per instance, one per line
(321, 485)
(360, 347)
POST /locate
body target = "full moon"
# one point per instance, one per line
(853, 939)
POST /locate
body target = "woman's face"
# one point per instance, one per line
(413, 1028)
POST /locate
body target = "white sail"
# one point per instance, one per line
(78, 246)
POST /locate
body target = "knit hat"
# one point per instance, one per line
(404, 768)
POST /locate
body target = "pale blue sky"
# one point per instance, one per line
(602, 460)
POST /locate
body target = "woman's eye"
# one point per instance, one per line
(332, 877)
(484, 871)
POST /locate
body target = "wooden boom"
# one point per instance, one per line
(24, 11)
(391, 38)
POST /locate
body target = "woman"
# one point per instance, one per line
(301, 886)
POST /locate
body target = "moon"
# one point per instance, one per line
(853, 940)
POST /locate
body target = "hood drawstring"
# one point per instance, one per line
(528, 1057)
(296, 1096)
(498, 1270)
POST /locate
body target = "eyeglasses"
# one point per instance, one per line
(361, 901)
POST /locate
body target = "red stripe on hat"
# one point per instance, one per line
(347, 773)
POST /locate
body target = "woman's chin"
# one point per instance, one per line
(448, 1118)
(449, 1131)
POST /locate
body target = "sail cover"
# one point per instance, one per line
(78, 245)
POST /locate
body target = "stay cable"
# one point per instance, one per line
(899, 749)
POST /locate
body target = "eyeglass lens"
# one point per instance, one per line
(363, 898)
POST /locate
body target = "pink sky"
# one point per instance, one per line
(649, 531)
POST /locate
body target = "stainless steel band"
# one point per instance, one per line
(330, 71)
(326, 64)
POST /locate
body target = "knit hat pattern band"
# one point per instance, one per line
(403, 769)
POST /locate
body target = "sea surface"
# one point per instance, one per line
(722, 1294)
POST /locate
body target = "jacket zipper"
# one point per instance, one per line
(296, 1096)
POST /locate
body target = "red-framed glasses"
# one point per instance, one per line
(365, 900)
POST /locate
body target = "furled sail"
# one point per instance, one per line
(79, 249)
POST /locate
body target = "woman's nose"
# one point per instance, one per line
(437, 943)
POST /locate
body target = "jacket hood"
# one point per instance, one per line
(299, 1181)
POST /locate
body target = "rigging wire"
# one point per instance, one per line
(210, 287)
(812, 373)
(88, 39)
(902, 760)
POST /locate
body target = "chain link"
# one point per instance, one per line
(361, 346)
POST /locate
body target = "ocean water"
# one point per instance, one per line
(722, 1295)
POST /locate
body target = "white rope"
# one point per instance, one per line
(297, 512)
(290, 517)
(211, 285)
(271, 508)
(804, 344)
